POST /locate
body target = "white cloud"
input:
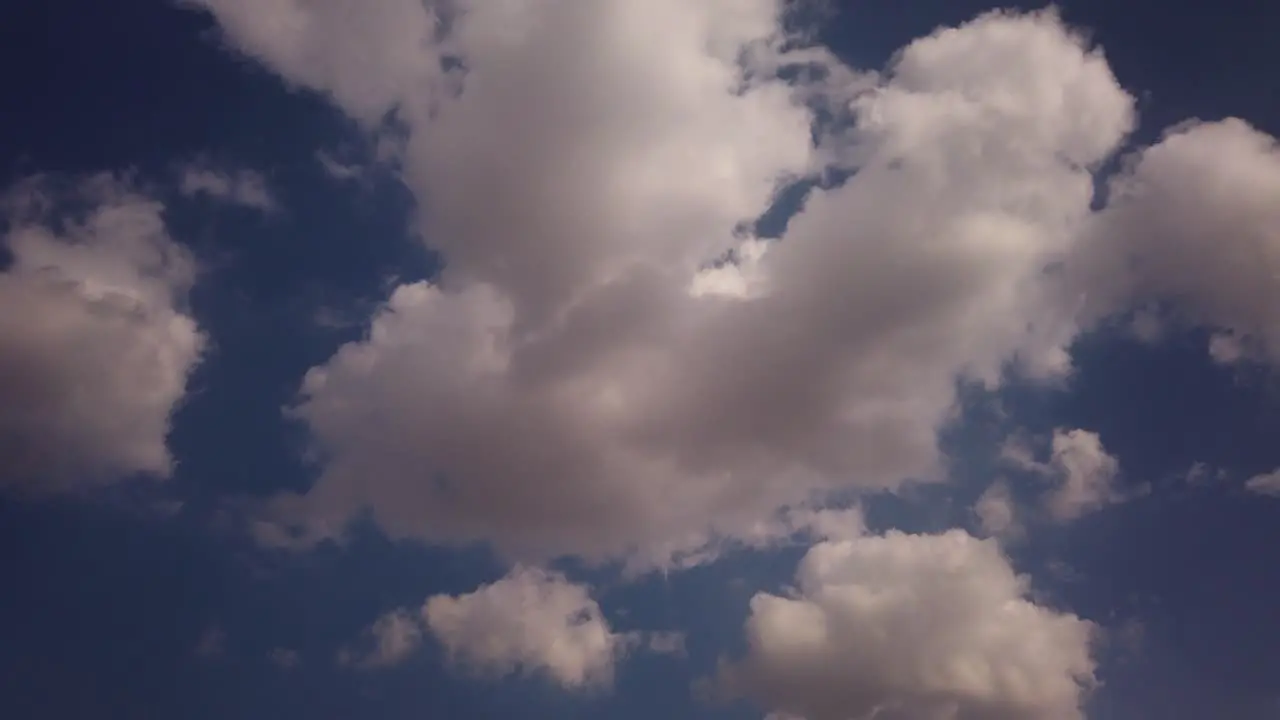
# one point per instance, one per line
(1265, 484)
(912, 626)
(560, 390)
(577, 382)
(1087, 475)
(95, 347)
(240, 187)
(530, 621)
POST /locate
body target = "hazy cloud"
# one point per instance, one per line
(239, 187)
(1265, 484)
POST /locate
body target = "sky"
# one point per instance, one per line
(715, 359)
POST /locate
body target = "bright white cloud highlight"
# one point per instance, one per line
(530, 621)
(95, 346)
(912, 626)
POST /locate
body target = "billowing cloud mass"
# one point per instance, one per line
(238, 187)
(560, 389)
(530, 621)
(910, 627)
(95, 346)
(578, 381)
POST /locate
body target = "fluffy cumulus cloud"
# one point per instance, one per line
(95, 346)
(530, 621)
(935, 627)
(559, 388)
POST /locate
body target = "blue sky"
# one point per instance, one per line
(374, 360)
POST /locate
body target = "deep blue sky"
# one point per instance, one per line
(104, 602)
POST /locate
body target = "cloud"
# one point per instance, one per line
(1193, 222)
(1200, 474)
(1265, 484)
(368, 57)
(337, 169)
(611, 364)
(912, 626)
(242, 187)
(1082, 472)
(95, 343)
(394, 637)
(559, 389)
(665, 643)
(1087, 473)
(997, 511)
(530, 621)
